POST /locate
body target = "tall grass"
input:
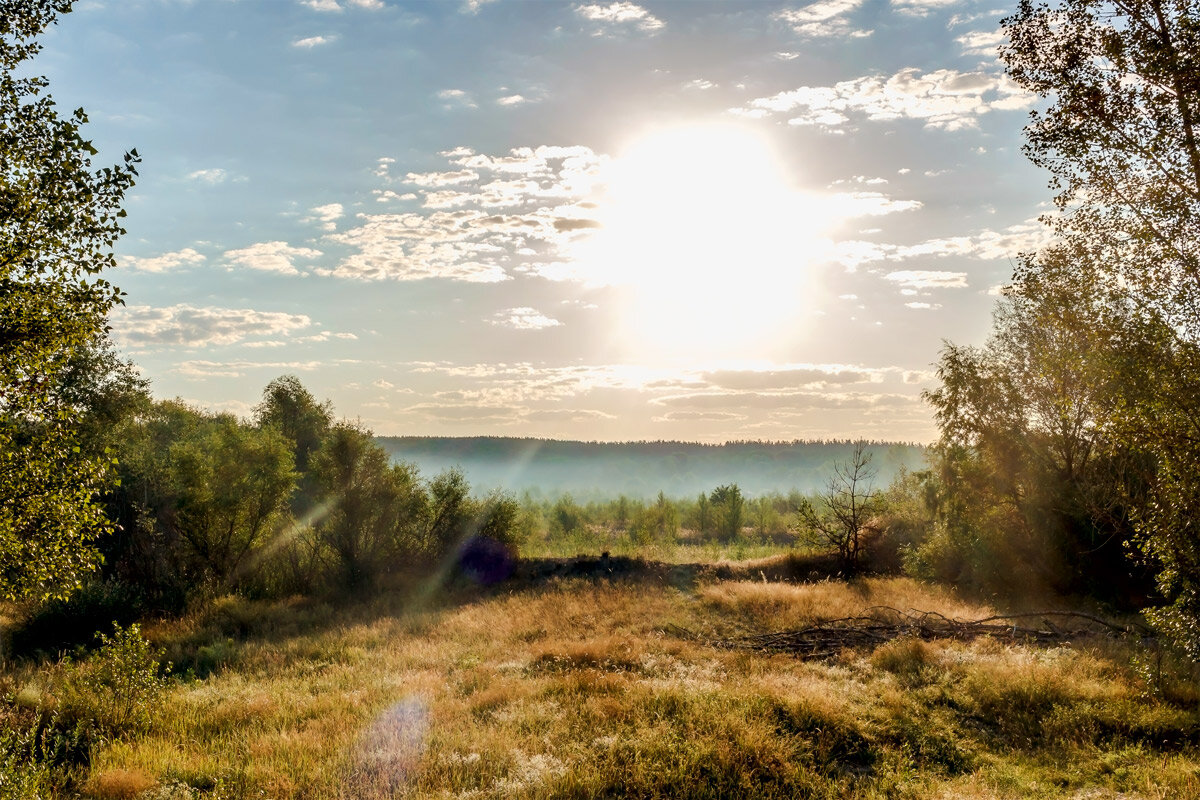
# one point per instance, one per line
(580, 689)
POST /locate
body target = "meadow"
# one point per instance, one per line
(603, 686)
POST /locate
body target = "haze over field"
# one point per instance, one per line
(640, 470)
(665, 220)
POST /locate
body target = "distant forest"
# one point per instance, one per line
(598, 470)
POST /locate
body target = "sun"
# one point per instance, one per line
(710, 241)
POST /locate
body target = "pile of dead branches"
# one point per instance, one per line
(882, 624)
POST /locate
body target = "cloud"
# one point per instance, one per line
(700, 416)
(823, 18)
(236, 369)
(163, 263)
(945, 99)
(629, 15)
(473, 6)
(986, 245)
(271, 256)
(456, 98)
(334, 5)
(566, 415)
(192, 326)
(928, 279)
(921, 8)
(512, 100)
(923, 306)
(700, 84)
(790, 378)
(210, 176)
(326, 216)
(484, 216)
(312, 41)
(982, 43)
(523, 319)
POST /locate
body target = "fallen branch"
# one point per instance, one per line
(882, 624)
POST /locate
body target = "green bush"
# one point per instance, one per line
(24, 774)
(117, 691)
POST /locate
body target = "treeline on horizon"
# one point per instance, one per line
(642, 469)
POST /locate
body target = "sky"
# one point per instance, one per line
(680, 220)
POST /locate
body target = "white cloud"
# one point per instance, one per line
(334, 5)
(523, 319)
(822, 18)
(481, 218)
(191, 326)
(271, 257)
(981, 43)
(162, 263)
(312, 41)
(620, 13)
(920, 8)
(438, 179)
(473, 6)
(700, 84)
(945, 99)
(236, 369)
(928, 279)
(326, 216)
(456, 98)
(923, 306)
(209, 176)
(512, 100)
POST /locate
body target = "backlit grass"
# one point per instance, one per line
(579, 689)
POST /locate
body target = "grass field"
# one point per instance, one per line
(585, 688)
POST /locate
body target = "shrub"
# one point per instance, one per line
(118, 690)
(24, 774)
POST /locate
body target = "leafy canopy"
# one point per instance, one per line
(59, 219)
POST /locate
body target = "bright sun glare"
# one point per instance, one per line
(712, 243)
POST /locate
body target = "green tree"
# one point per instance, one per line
(59, 219)
(728, 510)
(374, 510)
(231, 485)
(292, 410)
(657, 522)
(1119, 135)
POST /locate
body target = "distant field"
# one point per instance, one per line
(590, 470)
(587, 688)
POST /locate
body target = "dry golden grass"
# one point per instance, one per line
(118, 784)
(579, 689)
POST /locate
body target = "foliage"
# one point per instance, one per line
(1029, 473)
(657, 522)
(374, 511)
(843, 516)
(231, 486)
(727, 507)
(1119, 136)
(120, 689)
(58, 222)
(290, 408)
(24, 772)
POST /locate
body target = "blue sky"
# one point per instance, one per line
(665, 220)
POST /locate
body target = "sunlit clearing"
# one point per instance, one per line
(712, 242)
